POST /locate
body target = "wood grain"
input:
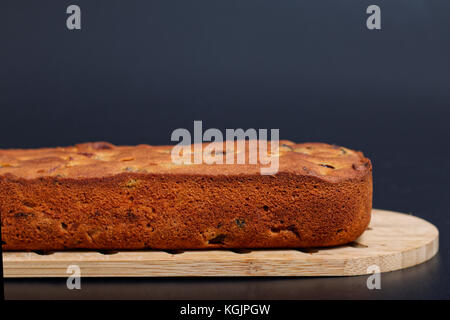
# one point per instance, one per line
(393, 241)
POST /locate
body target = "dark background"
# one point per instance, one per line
(140, 69)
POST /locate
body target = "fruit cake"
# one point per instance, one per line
(106, 197)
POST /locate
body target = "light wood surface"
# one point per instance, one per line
(393, 241)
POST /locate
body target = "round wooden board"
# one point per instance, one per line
(393, 241)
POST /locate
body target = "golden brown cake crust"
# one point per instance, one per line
(101, 196)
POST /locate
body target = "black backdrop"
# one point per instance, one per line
(140, 69)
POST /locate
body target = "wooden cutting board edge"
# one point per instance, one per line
(393, 241)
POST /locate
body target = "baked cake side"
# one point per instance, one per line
(99, 196)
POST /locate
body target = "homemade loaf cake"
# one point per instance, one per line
(106, 197)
